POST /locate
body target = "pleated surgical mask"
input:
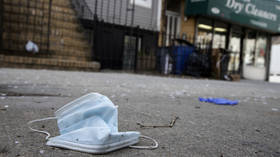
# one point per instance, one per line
(90, 124)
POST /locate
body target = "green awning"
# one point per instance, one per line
(261, 14)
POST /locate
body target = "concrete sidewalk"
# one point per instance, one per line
(248, 129)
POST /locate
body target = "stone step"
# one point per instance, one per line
(63, 6)
(81, 45)
(23, 12)
(14, 27)
(33, 62)
(59, 37)
(40, 19)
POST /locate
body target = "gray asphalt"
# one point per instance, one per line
(249, 129)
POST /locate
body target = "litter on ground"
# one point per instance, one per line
(95, 114)
(219, 101)
(171, 124)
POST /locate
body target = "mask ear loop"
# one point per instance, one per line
(40, 131)
(146, 147)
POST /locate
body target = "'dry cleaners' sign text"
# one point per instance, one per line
(255, 14)
(250, 9)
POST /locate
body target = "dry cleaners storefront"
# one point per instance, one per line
(243, 26)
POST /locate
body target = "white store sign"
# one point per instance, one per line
(142, 3)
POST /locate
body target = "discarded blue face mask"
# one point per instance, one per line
(90, 124)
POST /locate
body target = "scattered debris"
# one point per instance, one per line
(177, 94)
(219, 101)
(3, 94)
(16, 142)
(275, 109)
(123, 95)
(192, 122)
(4, 149)
(42, 151)
(5, 108)
(171, 124)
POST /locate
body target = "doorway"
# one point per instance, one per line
(254, 55)
(235, 46)
(173, 22)
(132, 45)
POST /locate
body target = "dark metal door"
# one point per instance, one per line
(108, 46)
(1, 22)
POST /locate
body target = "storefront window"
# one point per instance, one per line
(204, 34)
(235, 47)
(249, 48)
(219, 40)
(260, 50)
(255, 49)
(255, 46)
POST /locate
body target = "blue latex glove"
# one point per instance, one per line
(219, 101)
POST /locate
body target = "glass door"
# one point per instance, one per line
(255, 47)
(235, 48)
(261, 48)
(249, 48)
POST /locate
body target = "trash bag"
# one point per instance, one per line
(198, 64)
(31, 47)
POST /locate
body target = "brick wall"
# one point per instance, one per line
(187, 24)
(55, 30)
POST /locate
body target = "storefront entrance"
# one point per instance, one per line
(248, 50)
(245, 31)
(235, 46)
(255, 52)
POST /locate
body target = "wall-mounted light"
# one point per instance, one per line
(207, 27)
(203, 26)
(218, 29)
